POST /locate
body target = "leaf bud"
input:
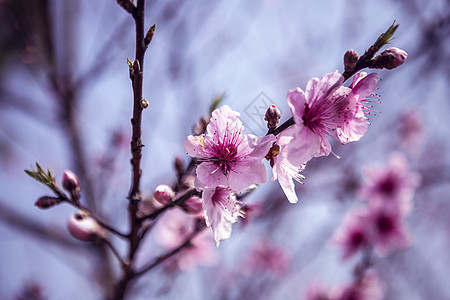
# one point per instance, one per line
(350, 59)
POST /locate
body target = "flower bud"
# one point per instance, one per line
(200, 126)
(272, 116)
(391, 58)
(70, 182)
(46, 202)
(192, 205)
(163, 194)
(85, 228)
(350, 59)
(179, 165)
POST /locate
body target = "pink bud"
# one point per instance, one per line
(350, 59)
(70, 181)
(272, 116)
(163, 194)
(85, 228)
(193, 205)
(391, 58)
(46, 202)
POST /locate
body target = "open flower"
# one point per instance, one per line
(227, 156)
(283, 169)
(221, 210)
(327, 108)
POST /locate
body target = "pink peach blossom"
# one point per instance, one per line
(227, 156)
(283, 169)
(221, 210)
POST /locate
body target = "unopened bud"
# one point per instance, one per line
(85, 228)
(350, 59)
(272, 116)
(390, 58)
(192, 205)
(144, 103)
(179, 165)
(163, 194)
(70, 181)
(200, 126)
(46, 202)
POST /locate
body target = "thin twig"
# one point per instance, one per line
(162, 258)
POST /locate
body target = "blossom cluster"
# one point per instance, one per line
(230, 161)
(381, 223)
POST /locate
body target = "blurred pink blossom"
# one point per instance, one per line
(353, 235)
(411, 131)
(392, 186)
(221, 210)
(267, 257)
(227, 156)
(173, 229)
(369, 287)
(388, 230)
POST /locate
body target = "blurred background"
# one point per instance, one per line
(65, 102)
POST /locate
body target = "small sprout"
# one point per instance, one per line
(179, 165)
(144, 103)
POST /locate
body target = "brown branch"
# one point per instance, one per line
(127, 5)
(162, 258)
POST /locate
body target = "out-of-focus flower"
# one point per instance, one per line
(283, 169)
(227, 156)
(368, 288)
(327, 108)
(267, 257)
(391, 58)
(249, 212)
(174, 228)
(317, 291)
(70, 182)
(392, 186)
(353, 234)
(85, 228)
(192, 205)
(411, 131)
(221, 210)
(388, 230)
(163, 194)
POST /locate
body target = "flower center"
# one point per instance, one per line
(225, 157)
